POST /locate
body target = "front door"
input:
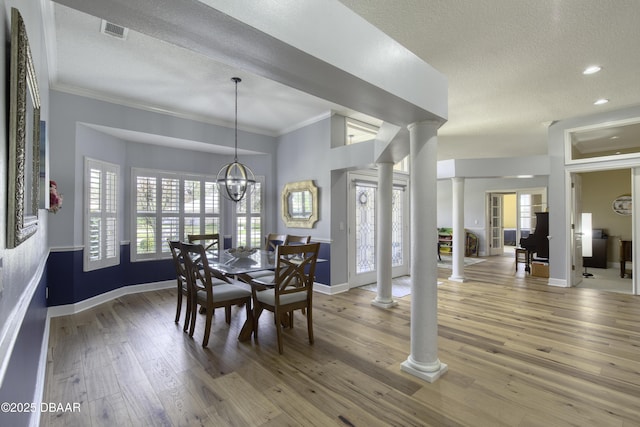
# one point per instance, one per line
(362, 229)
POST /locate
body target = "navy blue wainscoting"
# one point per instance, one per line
(20, 380)
(68, 284)
(323, 269)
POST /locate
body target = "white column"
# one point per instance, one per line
(457, 259)
(384, 220)
(423, 361)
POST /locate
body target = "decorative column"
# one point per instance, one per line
(457, 259)
(423, 361)
(384, 236)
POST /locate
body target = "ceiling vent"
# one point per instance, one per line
(113, 30)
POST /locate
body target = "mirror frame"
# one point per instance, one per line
(22, 216)
(294, 187)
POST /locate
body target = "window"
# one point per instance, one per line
(530, 203)
(101, 248)
(357, 131)
(402, 165)
(170, 206)
(249, 218)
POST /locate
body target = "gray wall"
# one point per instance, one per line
(475, 193)
(69, 135)
(21, 285)
(339, 226)
(304, 154)
(18, 265)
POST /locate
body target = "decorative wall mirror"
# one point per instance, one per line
(300, 204)
(24, 138)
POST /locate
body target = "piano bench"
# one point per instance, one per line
(522, 256)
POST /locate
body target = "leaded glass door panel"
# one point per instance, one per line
(363, 222)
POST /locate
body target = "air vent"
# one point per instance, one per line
(113, 30)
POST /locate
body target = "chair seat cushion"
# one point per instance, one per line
(264, 275)
(266, 280)
(269, 297)
(214, 282)
(225, 292)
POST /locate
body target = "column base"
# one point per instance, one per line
(429, 376)
(384, 304)
(460, 279)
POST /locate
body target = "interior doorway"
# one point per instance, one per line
(611, 223)
(512, 216)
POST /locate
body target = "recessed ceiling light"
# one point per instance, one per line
(601, 101)
(592, 69)
(615, 137)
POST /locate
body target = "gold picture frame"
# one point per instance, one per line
(300, 204)
(24, 138)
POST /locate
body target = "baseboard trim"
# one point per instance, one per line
(560, 283)
(64, 310)
(42, 373)
(330, 290)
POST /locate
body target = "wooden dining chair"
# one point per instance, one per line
(272, 241)
(181, 279)
(211, 297)
(291, 290)
(296, 240)
(209, 241)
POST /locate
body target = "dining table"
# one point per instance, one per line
(232, 265)
(240, 268)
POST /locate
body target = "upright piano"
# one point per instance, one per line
(537, 242)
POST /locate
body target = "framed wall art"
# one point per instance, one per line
(24, 138)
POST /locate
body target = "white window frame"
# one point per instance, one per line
(161, 249)
(248, 216)
(109, 245)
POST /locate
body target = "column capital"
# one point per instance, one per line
(385, 162)
(436, 124)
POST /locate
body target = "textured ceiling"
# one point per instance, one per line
(513, 67)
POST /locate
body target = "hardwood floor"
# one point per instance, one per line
(520, 353)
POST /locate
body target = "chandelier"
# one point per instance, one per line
(235, 179)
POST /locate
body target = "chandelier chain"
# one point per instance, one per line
(236, 80)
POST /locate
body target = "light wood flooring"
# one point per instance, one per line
(520, 353)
